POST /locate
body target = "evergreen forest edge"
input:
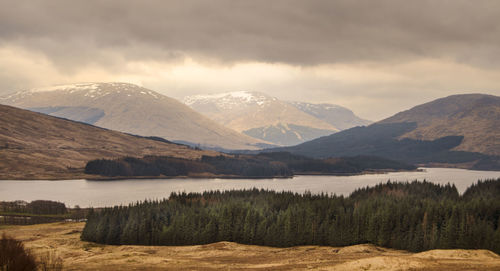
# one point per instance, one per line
(275, 164)
(414, 216)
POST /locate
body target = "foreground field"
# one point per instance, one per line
(64, 239)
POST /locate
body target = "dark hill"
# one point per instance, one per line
(462, 130)
(476, 117)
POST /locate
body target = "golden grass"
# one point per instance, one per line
(64, 240)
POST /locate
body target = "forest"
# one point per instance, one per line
(43, 207)
(279, 164)
(414, 216)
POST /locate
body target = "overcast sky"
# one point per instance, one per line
(374, 57)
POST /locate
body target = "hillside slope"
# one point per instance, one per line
(476, 117)
(461, 131)
(131, 109)
(38, 146)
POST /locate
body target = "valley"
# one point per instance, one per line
(39, 146)
(92, 193)
(249, 135)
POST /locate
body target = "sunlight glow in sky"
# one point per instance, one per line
(376, 59)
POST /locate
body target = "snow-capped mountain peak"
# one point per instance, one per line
(87, 90)
(268, 118)
(230, 100)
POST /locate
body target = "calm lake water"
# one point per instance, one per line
(108, 193)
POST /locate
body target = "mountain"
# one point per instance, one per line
(336, 115)
(459, 130)
(270, 119)
(476, 117)
(131, 109)
(38, 146)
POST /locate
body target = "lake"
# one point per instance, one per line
(108, 193)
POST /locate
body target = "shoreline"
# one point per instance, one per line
(201, 176)
(67, 177)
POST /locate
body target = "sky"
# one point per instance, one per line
(375, 57)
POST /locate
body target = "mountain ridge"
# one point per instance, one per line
(268, 118)
(237, 106)
(474, 116)
(132, 109)
(336, 115)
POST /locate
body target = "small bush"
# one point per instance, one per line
(13, 255)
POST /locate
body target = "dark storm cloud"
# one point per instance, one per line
(296, 32)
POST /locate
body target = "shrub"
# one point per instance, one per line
(13, 255)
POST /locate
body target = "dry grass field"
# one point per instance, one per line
(64, 240)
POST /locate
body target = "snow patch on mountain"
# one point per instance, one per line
(89, 90)
(71, 87)
(230, 100)
(316, 108)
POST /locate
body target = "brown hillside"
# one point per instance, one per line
(474, 116)
(38, 146)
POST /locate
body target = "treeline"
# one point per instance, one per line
(279, 164)
(355, 164)
(171, 166)
(40, 207)
(413, 216)
(20, 212)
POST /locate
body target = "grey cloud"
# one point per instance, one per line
(294, 31)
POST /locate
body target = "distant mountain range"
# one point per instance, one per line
(459, 130)
(38, 146)
(131, 109)
(270, 119)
